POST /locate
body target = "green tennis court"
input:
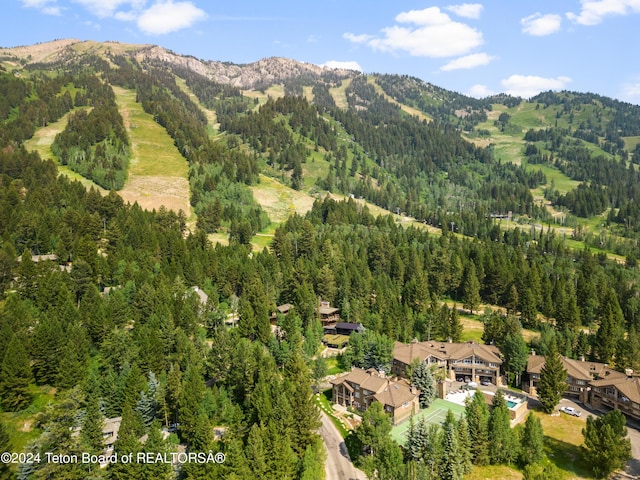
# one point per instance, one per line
(435, 414)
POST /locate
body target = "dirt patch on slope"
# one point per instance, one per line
(151, 192)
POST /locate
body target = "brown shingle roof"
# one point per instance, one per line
(575, 368)
(627, 386)
(406, 353)
(385, 390)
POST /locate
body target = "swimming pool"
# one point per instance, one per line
(511, 404)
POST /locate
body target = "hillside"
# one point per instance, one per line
(156, 209)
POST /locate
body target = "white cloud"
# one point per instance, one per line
(107, 8)
(527, 86)
(479, 91)
(167, 17)
(593, 12)
(540, 25)
(48, 7)
(466, 10)
(433, 35)
(313, 38)
(468, 61)
(631, 92)
(353, 38)
(348, 65)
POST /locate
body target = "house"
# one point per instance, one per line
(329, 315)
(360, 388)
(333, 340)
(110, 433)
(618, 391)
(579, 374)
(465, 362)
(344, 328)
(405, 354)
(280, 309)
(203, 298)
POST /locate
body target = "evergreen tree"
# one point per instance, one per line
(193, 390)
(464, 440)
(606, 446)
(552, 382)
(5, 446)
(157, 445)
(127, 443)
(470, 288)
(477, 415)
(502, 440)
(91, 435)
(515, 353)
(452, 467)
(422, 379)
(16, 377)
(532, 442)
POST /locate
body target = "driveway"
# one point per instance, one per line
(338, 465)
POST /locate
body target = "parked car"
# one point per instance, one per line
(571, 411)
(485, 383)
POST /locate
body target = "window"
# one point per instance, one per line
(466, 360)
(357, 394)
(581, 382)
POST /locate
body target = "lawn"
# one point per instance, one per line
(563, 437)
(435, 414)
(19, 425)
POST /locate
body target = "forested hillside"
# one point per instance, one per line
(101, 312)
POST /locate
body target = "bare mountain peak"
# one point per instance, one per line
(246, 76)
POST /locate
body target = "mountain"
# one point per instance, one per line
(395, 141)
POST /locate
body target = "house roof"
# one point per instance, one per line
(627, 386)
(349, 326)
(385, 390)
(406, 353)
(396, 394)
(324, 310)
(577, 369)
(204, 298)
(284, 308)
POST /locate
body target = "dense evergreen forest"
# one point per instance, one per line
(109, 324)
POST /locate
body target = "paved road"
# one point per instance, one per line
(338, 465)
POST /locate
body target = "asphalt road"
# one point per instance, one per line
(338, 465)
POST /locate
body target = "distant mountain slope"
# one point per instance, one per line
(398, 142)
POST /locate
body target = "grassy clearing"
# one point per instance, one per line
(333, 366)
(20, 425)
(563, 437)
(158, 174)
(414, 112)
(280, 201)
(212, 118)
(339, 95)
(41, 143)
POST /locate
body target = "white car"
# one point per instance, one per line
(571, 411)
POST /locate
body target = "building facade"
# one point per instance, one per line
(359, 388)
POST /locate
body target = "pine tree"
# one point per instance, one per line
(552, 383)
(157, 445)
(502, 440)
(193, 390)
(126, 444)
(5, 446)
(516, 353)
(477, 415)
(606, 446)
(470, 288)
(91, 435)
(16, 377)
(422, 379)
(464, 441)
(532, 442)
(452, 467)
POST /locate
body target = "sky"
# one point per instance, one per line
(478, 49)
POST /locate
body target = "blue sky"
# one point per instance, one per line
(477, 49)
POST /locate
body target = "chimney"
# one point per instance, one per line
(582, 358)
(533, 352)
